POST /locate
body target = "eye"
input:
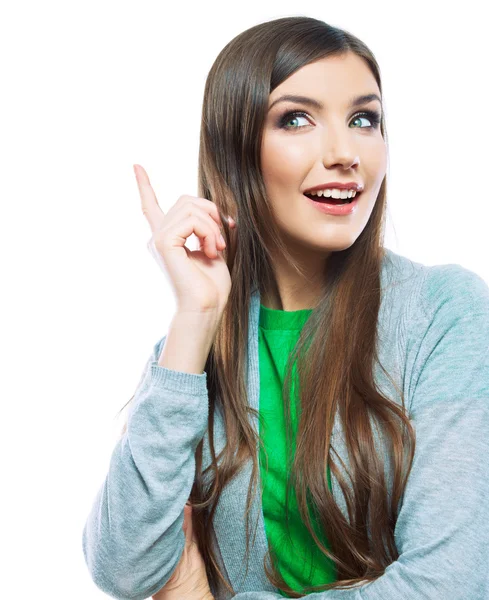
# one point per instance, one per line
(372, 115)
(290, 116)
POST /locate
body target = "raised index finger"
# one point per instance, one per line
(149, 204)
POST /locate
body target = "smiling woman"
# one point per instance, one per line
(332, 146)
(343, 405)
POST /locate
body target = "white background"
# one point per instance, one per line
(89, 88)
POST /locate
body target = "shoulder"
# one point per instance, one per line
(453, 289)
(447, 338)
(423, 290)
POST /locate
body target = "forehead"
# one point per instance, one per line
(335, 79)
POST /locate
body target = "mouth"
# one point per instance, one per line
(334, 201)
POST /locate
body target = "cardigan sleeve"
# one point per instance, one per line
(133, 538)
(442, 529)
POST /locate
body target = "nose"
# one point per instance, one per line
(338, 148)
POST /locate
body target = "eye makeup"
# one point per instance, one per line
(372, 115)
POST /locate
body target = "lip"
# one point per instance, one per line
(336, 209)
(352, 185)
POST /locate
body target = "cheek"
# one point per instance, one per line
(378, 162)
(282, 161)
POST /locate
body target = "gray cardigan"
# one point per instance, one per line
(433, 339)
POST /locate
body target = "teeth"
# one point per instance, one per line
(334, 193)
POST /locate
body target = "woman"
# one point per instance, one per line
(372, 481)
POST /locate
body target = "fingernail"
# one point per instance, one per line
(223, 241)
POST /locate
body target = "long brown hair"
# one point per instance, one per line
(338, 344)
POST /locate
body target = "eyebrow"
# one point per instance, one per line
(356, 101)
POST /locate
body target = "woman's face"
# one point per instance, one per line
(330, 144)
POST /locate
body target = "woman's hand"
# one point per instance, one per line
(189, 581)
(200, 278)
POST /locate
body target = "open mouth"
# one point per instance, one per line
(332, 200)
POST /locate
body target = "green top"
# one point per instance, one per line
(300, 562)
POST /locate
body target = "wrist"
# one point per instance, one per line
(188, 343)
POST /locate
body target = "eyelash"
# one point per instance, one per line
(372, 115)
